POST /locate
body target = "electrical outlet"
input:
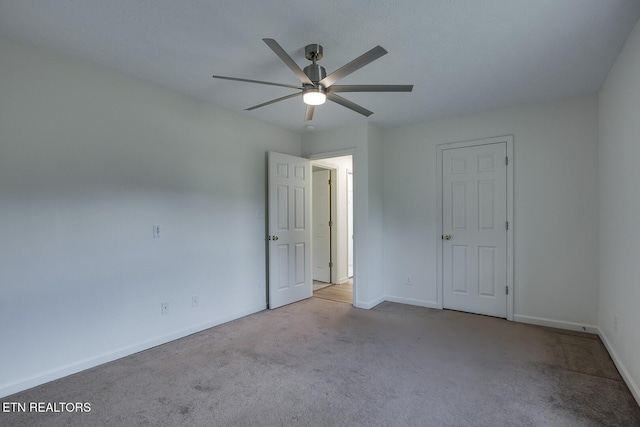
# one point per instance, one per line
(156, 231)
(407, 281)
(194, 301)
(164, 308)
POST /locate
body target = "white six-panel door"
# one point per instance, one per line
(289, 234)
(474, 220)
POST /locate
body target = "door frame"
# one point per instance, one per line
(508, 139)
(327, 155)
(350, 241)
(333, 240)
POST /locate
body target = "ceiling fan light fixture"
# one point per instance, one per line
(314, 96)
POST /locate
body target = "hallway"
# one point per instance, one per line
(340, 293)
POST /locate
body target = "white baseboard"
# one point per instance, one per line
(412, 301)
(72, 368)
(635, 390)
(552, 323)
(369, 305)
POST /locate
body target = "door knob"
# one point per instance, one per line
(447, 237)
(275, 237)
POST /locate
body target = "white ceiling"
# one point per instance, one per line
(462, 56)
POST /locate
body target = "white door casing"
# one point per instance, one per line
(289, 234)
(349, 223)
(321, 229)
(475, 253)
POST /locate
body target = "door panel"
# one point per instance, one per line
(299, 208)
(289, 229)
(474, 214)
(459, 275)
(282, 279)
(459, 205)
(487, 271)
(300, 270)
(282, 213)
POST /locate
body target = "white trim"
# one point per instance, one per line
(73, 368)
(369, 305)
(333, 196)
(552, 323)
(508, 139)
(330, 154)
(628, 379)
(412, 301)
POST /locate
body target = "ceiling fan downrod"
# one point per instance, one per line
(315, 72)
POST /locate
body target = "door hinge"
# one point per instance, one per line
(506, 161)
(329, 182)
(506, 225)
(330, 265)
(330, 223)
(507, 290)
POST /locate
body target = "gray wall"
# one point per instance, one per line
(89, 161)
(555, 208)
(620, 211)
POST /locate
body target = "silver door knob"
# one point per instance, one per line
(275, 237)
(447, 237)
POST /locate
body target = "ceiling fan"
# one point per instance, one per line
(317, 86)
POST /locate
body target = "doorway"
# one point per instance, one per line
(323, 229)
(332, 235)
(476, 224)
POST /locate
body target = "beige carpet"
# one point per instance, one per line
(322, 363)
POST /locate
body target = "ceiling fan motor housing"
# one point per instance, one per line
(315, 72)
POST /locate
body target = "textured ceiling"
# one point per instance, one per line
(461, 56)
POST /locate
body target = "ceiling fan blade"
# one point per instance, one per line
(309, 113)
(273, 101)
(354, 65)
(284, 56)
(371, 88)
(257, 81)
(350, 105)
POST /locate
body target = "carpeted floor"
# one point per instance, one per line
(322, 363)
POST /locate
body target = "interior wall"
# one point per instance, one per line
(555, 208)
(90, 161)
(619, 127)
(375, 213)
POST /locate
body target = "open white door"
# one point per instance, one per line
(289, 234)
